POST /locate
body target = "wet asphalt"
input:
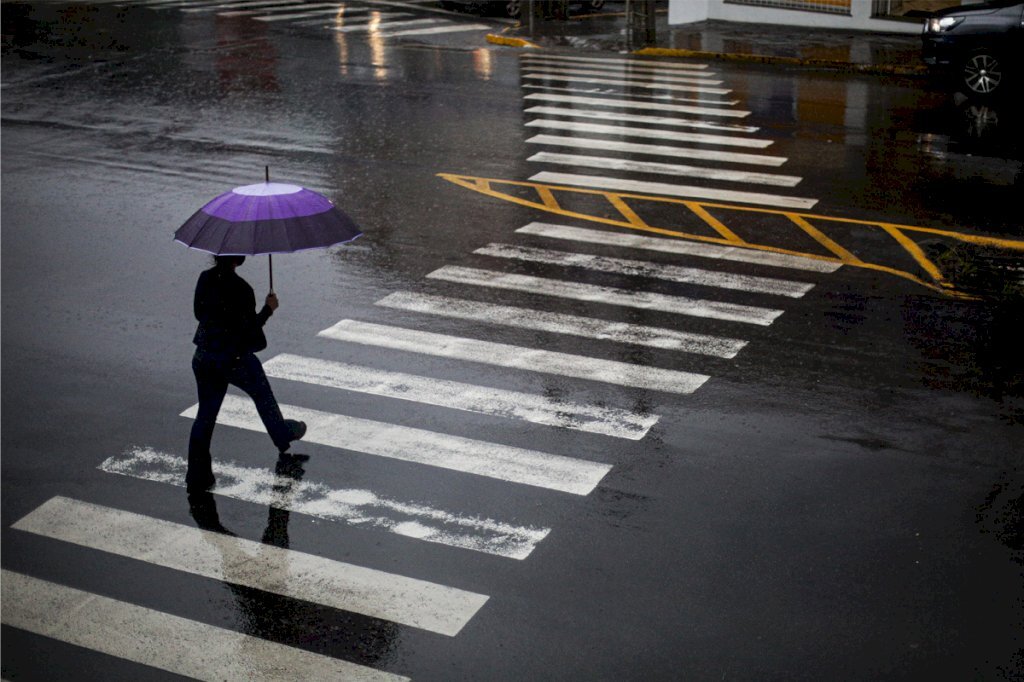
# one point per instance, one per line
(840, 501)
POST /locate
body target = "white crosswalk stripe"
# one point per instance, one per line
(287, 572)
(636, 104)
(630, 298)
(638, 118)
(592, 143)
(502, 462)
(617, 94)
(539, 409)
(704, 172)
(621, 68)
(516, 357)
(630, 82)
(285, 10)
(309, 15)
(162, 640)
(671, 273)
(621, 61)
(685, 191)
(677, 246)
(360, 508)
(233, 6)
(376, 26)
(448, 28)
(631, 77)
(558, 323)
(658, 133)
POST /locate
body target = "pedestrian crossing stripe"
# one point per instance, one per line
(592, 143)
(538, 409)
(449, 28)
(634, 67)
(677, 246)
(633, 96)
(592, 80)
(686, 191)
(670, 66)
(287, 490)
(661, 134)
(636, 268)
(315, 8)
(631, 77)
(517, 357)
(557, 323)
(635, 104)
(162, 640)
(418, 446)
(309, 14)
(287, 572)
(659, 168)
(639, 118)
(373, 25)
(233, 6)
(632, 298)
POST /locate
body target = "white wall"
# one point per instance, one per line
(688, 11)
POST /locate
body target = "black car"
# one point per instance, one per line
(979, 45)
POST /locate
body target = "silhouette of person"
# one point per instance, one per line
(230, 333)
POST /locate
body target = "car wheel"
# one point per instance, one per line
(982, 74)
(513, 8)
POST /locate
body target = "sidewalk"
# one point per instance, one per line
(856, 51)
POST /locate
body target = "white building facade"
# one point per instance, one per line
(889, 16)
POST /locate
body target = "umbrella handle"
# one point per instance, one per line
(270, 262)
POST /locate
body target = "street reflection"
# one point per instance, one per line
(377, 53)
(340, 42)
(266, 613)
(483, 63)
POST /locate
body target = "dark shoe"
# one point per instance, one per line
(200, 486)
(298, 430)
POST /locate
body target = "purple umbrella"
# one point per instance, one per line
(266, 218)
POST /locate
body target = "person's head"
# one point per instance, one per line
(228, 261)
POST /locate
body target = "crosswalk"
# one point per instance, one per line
(701, 306)
(373, 19)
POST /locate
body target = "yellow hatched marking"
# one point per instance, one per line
(627, 213)
(548, 202)
(823, 239)
(548, 198)
(714, 222)
(914, 250)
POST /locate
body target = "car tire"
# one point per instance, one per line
(514, 8)
(983, 74)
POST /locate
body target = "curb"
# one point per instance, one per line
(510, 42)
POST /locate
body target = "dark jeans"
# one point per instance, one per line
(214, 372)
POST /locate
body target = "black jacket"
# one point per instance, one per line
(225, 306)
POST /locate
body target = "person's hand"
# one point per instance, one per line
(272, 301)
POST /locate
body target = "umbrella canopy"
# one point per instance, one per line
(266, 218)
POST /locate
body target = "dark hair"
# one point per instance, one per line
(222, 261)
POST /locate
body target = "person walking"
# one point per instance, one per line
(229, 335)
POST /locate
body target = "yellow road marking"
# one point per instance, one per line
(823, 239)
(809, 223)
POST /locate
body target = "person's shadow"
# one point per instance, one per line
(265, 613)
